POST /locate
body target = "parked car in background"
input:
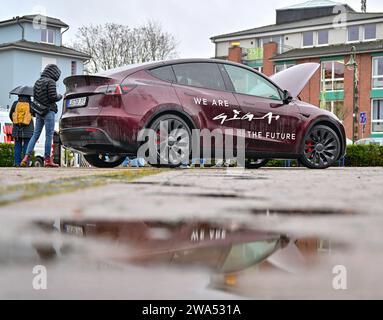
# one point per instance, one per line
(349, 142)
(103, 113)
(368, 141)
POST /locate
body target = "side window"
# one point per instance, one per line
(203, 75)
(247, 82)
(164, 73)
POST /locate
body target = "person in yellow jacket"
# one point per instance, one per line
(23, 126)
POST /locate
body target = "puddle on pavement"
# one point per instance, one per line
(226, 196)
(301, 212)
(223, 250)
(236, 176)
(162, 184)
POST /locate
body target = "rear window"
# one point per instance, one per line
(164, 73)
(203, 75)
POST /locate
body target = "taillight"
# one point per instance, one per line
(114, 89)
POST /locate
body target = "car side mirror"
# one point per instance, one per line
(287, 97)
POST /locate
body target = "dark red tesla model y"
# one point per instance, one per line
(104, 113)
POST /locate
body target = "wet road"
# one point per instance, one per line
(198, 234)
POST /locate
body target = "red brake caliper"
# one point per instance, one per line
(158, 137)
(310, 147)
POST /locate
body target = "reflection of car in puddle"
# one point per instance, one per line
(225, 249)
(230, 256)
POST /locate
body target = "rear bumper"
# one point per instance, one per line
(92, 141)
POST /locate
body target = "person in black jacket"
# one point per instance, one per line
(45, 92)
(21, 133)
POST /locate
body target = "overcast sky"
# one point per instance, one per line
(192, 22)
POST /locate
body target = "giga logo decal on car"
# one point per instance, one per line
(249, 117)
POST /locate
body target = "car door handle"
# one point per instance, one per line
(250, 104)
(190, 94)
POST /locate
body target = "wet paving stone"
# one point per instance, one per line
(198, 234)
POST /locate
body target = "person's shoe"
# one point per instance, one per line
(26, 162)
(48, 163)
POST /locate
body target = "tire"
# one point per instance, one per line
(104, 161)
(178, 137)
(39, 163)
(321, 148)
(255, 163)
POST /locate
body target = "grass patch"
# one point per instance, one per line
(28, 191)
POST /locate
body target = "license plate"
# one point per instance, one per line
(75, 230)
(76, 103)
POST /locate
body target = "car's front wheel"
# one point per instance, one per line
(321, 148)
(103, 160)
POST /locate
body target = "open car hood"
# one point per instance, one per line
(295, 78)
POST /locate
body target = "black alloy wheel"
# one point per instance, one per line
(321, 148)
(174, 140)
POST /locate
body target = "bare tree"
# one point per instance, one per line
(114, 45)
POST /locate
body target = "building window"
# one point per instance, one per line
(308, 39)
(333, 75)
(48, 36)
(322, 37)
(377, 116)
(353, 33)
(377, 72)
(281, 67)
(337, 108)
(277, 39)
(74, 68)
(370, 32)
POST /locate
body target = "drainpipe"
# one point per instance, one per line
(22, 28)
(63, 33)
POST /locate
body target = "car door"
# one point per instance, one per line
(203, 93)
(270, 124)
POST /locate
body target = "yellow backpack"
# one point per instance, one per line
(22, 114)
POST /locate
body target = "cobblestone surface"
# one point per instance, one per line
(340, 207)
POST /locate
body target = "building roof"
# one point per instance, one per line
(333, 50)
(313, 4)
(351, 17)
(30, 18)
(45, 48)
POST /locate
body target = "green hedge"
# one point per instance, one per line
(357, 156)
(364, 156)
(6, 155)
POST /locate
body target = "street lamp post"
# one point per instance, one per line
(354, 65)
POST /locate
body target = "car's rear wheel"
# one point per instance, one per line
(321, 148)
(39, 162)
(173, 141)
(255, 163)
(104, 160)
